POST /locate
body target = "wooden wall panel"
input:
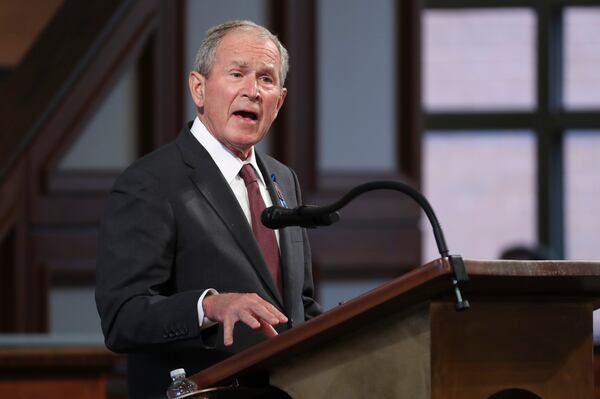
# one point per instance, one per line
(20, 24)
(376, 236)
(54, 388)
(53, 372)
(49, 218)
(17, 276)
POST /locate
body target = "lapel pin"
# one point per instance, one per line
(279, 192)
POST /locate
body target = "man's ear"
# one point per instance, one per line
(281, 99)
(197, 84)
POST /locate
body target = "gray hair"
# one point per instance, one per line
(205, 57)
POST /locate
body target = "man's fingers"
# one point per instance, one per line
(267, 329)
(250, 309)
(250, 320)
(268, 312)
(276, 313)
(228, 332)
(265, 313)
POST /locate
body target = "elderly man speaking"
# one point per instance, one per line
(187, 275)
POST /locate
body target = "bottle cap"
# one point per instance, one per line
(177, 373)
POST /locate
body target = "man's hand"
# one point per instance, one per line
(250, 309)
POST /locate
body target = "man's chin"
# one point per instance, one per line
(242, 149)
(246, 138)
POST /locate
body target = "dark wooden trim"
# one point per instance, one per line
(551, 192)
(457, 4)
(17, 280)
(71, 273)
(33, 90)
(550, 187)
(64, 245)
(46, 369)
(65, 255)
(7, 280)
(54, 362)
(596, 371)
(409, 123)
(160, 79)
(146, 95)
(171, 73)
(465, 121)
(455, 121)
(295, 23)
(12, 193)
(54, 214)
(133, 26)
(121, 50)
(68, 209)
(454, 4)
(580, 119)
(364, 251)
(80, 181)
(341, 181)
(4, 73)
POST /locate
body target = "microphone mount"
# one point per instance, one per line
(330, 214)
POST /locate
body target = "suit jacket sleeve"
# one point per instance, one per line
(172, 229)
(135, 257)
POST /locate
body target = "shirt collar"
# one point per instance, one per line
(229, 164)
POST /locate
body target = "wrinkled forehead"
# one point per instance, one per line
(249, 42)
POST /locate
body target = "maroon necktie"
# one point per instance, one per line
(265, 236)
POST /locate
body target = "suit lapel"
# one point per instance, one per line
(285, 242)
(208, 179)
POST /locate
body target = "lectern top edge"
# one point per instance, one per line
(421, 283)
(498, 278)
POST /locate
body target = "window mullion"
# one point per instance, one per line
(549, 157)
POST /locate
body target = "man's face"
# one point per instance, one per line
(240, 99)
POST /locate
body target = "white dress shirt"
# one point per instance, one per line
(229, 165)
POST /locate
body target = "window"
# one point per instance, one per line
(356, 98)
(492, 71)
(582, 58)
(479, 59)
(483, 202)
(582, 193)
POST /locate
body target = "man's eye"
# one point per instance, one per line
(236, 74)
(266, 79)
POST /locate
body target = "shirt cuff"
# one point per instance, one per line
(205, 322)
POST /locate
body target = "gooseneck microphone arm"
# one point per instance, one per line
(312, 216)
(397, 186)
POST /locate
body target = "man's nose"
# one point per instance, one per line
(251, 88)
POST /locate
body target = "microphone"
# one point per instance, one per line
(276, 217)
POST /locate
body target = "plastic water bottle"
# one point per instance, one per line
(181, 387)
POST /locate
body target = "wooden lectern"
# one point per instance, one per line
(528, 334)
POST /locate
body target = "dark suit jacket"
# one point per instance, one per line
(172, 229)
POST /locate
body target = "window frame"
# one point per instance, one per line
(549, 119)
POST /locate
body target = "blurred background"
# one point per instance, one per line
(490, 108)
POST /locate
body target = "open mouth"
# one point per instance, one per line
(246, 115)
